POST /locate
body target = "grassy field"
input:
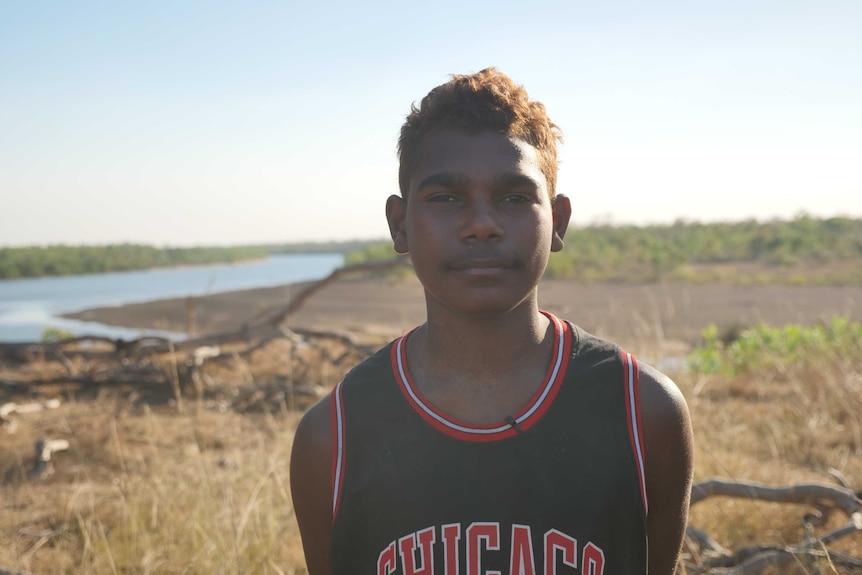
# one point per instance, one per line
(163, 483)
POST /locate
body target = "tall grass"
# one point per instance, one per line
(778, 405)
(156, 492)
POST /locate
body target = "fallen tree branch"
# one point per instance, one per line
(712, 558)
(820, 495)
(149, 345)
(299, 299)
(127, 361)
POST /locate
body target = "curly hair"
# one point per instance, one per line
(486, 100)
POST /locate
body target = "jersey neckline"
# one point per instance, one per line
(522, 420)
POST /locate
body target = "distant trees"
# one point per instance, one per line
(656, 252)
(67, 260)
(59, 260)
(682, 251)
(692, 251)
(331, 247)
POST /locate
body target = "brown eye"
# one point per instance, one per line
(443, 198)
(516, 199)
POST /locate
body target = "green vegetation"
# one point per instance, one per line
(62, 260)
(68, 260)
(708, 252)
(804, 250)
(52, 334)
(379, 251)
(341, 247)
(776, 348)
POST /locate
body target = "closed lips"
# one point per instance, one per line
(480, 264)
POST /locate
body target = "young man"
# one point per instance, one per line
(494, 438)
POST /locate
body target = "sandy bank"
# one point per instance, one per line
(653, 317)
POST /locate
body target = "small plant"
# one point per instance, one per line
(764, 347)
(51, 334)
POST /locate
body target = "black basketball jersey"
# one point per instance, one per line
(556, 488)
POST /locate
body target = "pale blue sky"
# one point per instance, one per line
(197, 123)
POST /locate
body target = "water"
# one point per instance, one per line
(28, 306)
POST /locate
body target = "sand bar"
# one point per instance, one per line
(668, 316)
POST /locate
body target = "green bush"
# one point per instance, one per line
(52, 334)
(764, 347)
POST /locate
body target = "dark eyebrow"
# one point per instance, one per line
(449, 180)
(444, 180)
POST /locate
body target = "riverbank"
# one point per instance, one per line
(654, 318)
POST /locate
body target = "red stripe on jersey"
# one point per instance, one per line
(633, 417)
(525, 418)
(336, 405)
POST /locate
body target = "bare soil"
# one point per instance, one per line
(670, 316)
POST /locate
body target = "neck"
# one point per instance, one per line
(482, 348)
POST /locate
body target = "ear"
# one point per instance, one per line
(395, 212)
(561, 209)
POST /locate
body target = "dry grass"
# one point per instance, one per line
(778, 429)
(151, 491)
(150, 488)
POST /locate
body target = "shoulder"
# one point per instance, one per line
(664, 413)
(312, 444)
(659, 394)
(668, 454)
(311, 467)
(311, 485)
(589, 352)
(373, 368)
(313, 436)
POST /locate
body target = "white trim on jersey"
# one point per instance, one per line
(630, 364)
(559, 356)
(339, 452)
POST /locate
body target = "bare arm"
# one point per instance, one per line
(669, 462)
(311, 485)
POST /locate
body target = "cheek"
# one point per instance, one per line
(544, 233)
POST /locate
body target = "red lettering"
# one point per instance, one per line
(558, 541)
(477, 533)
(522, 562)
(407, 548)
(594, 560)
(451, 538)
(416, 551)
(386, 560)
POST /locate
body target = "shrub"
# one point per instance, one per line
(764, 347)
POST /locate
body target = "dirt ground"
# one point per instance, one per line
(669, 317)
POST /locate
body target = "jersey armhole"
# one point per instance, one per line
(336, 404)
(633, 418)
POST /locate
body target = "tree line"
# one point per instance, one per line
(60, 260)
(684, 251)
(748, 250)
(678, 249)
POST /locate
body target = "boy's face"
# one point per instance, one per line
(477, 221)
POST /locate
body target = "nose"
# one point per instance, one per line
(481, 222)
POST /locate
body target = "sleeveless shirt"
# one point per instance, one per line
(556, 488)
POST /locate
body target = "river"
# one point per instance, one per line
(29, 306)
